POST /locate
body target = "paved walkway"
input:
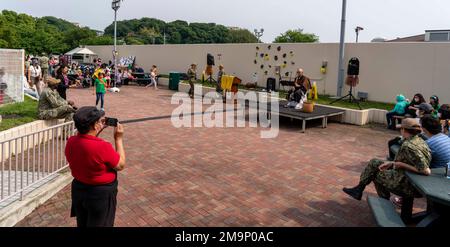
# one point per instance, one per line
(228, 176)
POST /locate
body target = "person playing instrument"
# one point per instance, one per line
(301, 82)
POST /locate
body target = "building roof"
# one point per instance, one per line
(415, 38)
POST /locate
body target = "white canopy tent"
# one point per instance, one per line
(82, 55)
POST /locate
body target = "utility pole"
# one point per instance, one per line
(341, 69)
(115, 6)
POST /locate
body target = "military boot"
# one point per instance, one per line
(355, 192)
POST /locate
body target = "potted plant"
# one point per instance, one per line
(308, 106)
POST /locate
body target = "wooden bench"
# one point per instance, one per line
(384, 212)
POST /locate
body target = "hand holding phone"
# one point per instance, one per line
(111, 122)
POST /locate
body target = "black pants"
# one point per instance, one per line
(94, 206)
(394, 142)
(391, 122)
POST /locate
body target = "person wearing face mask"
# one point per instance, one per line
(35, 76)
(94, 164)
(413, 107)
(434, 102)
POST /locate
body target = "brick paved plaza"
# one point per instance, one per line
(228, 176)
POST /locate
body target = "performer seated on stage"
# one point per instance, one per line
(301, 82)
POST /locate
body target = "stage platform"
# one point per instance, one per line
(320, 112)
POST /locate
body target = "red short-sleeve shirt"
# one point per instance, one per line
(91, 159)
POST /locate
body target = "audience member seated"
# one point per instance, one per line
(413, 107)
(425, 110)
(438, 142)
(301, 82)
(52, 105)
(434, 102)
(389, 177)
(399, 110)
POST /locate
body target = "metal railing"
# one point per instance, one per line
(31, 160)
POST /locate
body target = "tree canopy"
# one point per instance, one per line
(152, 31)
(296, 36)
(53, 35)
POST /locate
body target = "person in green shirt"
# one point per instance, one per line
(434, 101)
(100, 90)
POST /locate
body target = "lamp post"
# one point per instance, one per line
(259, 33)
(115, 6)
(357, 30)
(341, 51)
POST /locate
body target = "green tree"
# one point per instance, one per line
(242, 36)
(296, 36)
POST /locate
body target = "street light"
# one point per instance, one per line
(357, 30)
(259, 33)
(115, 6)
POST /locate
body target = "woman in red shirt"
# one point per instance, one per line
(94, 165)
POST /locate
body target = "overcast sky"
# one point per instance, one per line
(380, 18)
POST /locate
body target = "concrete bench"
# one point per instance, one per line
(384, 212)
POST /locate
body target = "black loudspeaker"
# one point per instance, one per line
(353, 66)
(270, 85)
(210, 59)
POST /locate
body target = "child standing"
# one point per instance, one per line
(100, 89)
(153, 74)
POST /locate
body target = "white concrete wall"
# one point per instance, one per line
(387, 69)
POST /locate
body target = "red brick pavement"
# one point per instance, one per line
(228, 176)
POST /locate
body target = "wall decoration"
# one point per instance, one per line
(261, 55)
(284, 55)
(291, 53)
(257, 48)
(266, 57)
(266, 72)
(256, 62)
(270, 66)
(257, 54)
(276, 58)
(293, 63)
(286, 74)
(279, 48)
(284, 66)
(262, 66)
(269, 47)
(285, 62)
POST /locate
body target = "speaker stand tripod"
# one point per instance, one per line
(351, 98)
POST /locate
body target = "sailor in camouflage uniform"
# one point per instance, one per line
(192, 75)
(389, 177)
(52, 106)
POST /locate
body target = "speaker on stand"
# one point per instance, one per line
(209, 68)
(352, 81)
